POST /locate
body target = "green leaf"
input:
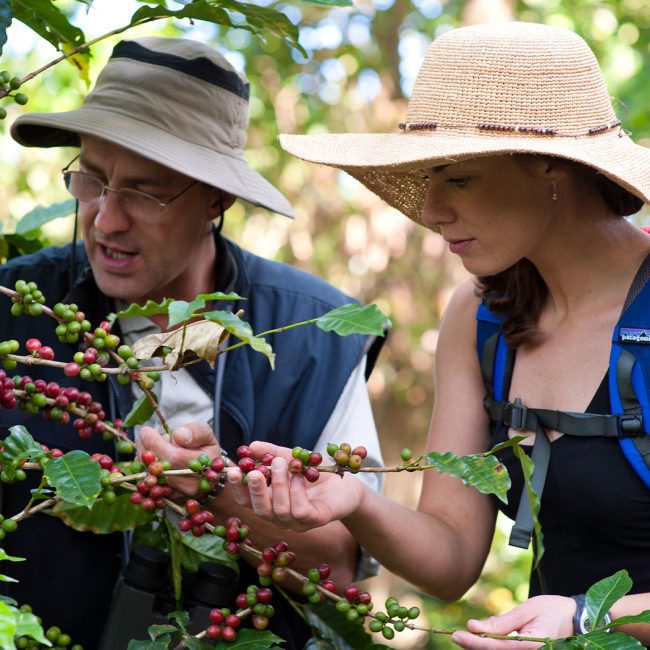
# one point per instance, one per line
(150, 308)
(6, 14)
(181, 310)
(76, 477)
(481, 471)
(330, 3)
(40, 215)
(141, 411)
(252, 640)
(49, 22)
(103, 518)
(162, 644)
(5, 578)
(602, 640)
(643, 617)
(27, 625)
(205, 548)
(255, 19)
(10, 558)
(601, 596)
(335, 628)
(182, 618)
(156, 631)
(18, 446)
(243, 331)
(17, 245)
(354, 319)
(8, 625)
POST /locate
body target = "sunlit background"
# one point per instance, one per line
(357, 77)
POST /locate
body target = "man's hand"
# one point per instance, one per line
(539, 617)
(188, 442)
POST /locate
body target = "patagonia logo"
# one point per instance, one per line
(634, 335)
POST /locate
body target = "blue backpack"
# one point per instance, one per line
(629, 393)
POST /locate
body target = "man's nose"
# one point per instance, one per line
(110, 217)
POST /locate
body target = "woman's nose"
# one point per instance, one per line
(436, 211)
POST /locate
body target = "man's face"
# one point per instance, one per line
(136, 260)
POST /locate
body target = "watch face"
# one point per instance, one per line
(585, 623)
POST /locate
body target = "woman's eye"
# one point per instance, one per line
(458, 182)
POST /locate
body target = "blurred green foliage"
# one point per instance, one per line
(357, 77)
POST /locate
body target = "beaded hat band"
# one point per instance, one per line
(489, 90)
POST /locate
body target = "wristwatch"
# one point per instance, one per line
(581, 622)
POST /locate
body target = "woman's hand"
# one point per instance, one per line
(291, 501)
(540, 617)
(187, 443)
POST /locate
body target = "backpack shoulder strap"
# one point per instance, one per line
(629, 371)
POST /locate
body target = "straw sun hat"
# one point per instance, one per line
(488, 90)
(172, 100)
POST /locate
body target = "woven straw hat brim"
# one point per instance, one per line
(391, 165)
(226, 170)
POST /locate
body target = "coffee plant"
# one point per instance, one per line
(80, 488)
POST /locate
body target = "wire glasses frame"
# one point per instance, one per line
(136, 204)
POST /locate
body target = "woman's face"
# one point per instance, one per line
(492, 211)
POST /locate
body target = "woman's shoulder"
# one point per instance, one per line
(464, 301)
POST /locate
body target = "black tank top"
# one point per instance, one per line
(595, 512)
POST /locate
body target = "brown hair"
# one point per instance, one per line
(519, 293)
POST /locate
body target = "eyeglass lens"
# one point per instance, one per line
(86, 187)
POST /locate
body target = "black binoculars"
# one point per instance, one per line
(143, 596)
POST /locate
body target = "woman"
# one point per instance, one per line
(512, 152)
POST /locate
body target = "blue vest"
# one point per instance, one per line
(289, 406)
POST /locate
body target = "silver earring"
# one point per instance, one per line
(554, 194)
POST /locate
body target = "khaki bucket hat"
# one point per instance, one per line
(487, 90)
(175, 101)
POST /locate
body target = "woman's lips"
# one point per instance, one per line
(459, 246)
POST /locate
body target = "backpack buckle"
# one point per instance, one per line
(630, 426)
(518, 415)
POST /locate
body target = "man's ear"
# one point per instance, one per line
(220, 201)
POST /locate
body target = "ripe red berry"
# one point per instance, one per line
(184, 524)
(324, 571)
(311, 474)
(243, 451)
(351, 592)
(46, 352)
(228, 634)
(147, 457)
(32, 345)
(192, 506)
(364, 598)
(246, 464)
(216, 616)
(315, 459)
(264, 595)
(217, 464)
(213, 632)
(267, 459)
(233, 620)
(71, 369)
(269, 554)
(360, 451)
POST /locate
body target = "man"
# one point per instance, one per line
(161, 158)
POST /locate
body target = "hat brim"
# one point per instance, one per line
(390, 164)
(228, 171)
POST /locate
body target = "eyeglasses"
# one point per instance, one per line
(136, 204)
